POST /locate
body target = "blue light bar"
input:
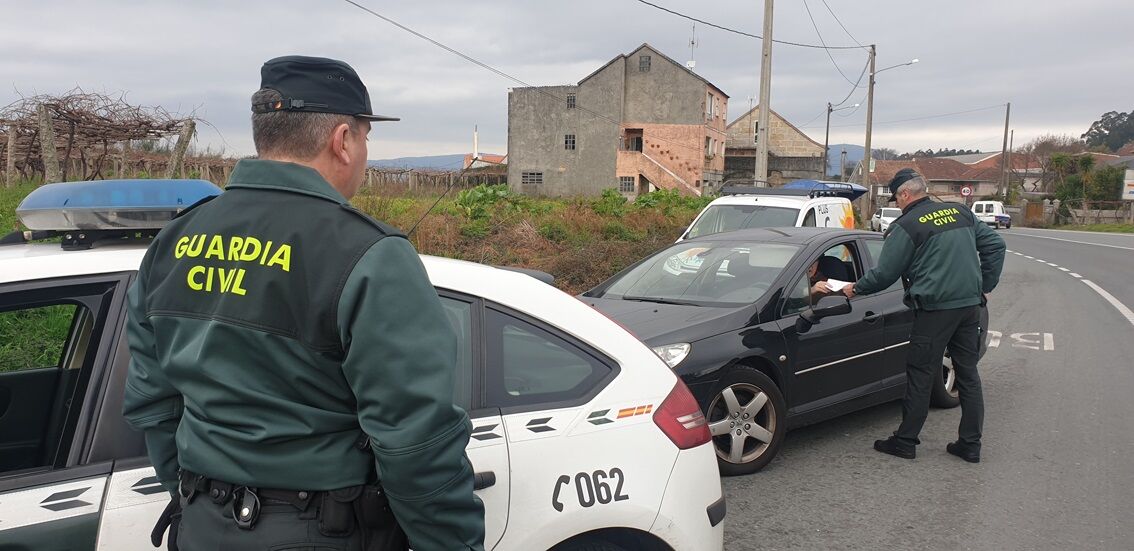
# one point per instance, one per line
(110, 204)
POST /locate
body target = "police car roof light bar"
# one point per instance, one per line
(81, 213)
(110, 204)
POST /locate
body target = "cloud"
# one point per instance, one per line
(1061, 68)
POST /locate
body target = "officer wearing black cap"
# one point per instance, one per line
(288, 348)
(948, 262)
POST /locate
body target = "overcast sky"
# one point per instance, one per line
(1061, 65)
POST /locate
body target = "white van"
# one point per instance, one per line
(992, 213)
(741, 207)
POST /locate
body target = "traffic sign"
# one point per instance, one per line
(966, 190)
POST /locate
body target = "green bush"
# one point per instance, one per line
(477, 203)
(554, 230)
(610, 203)
(618, 231)
(476, 228)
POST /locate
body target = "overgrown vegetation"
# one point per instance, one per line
(34, 338)
(581, 241)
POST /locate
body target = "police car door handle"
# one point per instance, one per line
(870, 317)
(484, 480)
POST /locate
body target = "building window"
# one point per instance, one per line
(531, 178)
(570, 101)
(569, 142)
(644, 64)
(626, 184)
(708, 146)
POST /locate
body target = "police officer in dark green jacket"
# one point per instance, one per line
(293, 369)
(948, 261)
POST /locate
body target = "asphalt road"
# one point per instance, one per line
(1057, 469)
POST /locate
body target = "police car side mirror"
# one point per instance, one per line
(834, 305)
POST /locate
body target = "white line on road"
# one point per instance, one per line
(1073, 241)
(1073, 274)
(1122, 309)
(1040, 260)
(1053, 264)
(1064, 269)
(1048, 341)
(1029, 257)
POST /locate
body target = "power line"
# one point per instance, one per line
(927, 117)
(502, 73)
(750, 35)
(856, 86)
(824, 43)
(841, 23)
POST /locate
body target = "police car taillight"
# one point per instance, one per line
(680, 418)
(110, 204)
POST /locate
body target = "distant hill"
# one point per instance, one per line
(434, 162)
(854, 155)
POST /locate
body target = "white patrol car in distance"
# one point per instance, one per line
(582, 437)
(883, 217)
(803, 203)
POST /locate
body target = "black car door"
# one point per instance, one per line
(835, 359)
(897, 321)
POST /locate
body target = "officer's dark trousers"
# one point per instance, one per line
(207, 526)
(933, 332)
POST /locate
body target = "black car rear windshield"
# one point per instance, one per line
(722, 218)
(704, 273)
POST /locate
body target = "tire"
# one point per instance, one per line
(1008, 226)
(758, 440)
(945, 395)
(996, 225)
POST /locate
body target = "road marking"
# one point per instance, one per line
(1122, 309)
(1073, 241)
(1073, 274)
(1064, 269)
(1041, 261)
(1032, 341)
(994, 338)
(1053, 264)
(1029, 257)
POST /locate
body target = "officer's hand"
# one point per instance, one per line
(170, 519)
(849, 291)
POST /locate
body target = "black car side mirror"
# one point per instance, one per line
(835, 305)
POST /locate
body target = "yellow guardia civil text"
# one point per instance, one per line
(229, 249)
(940, 217)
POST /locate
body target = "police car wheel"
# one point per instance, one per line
(747, 420)
(945, 394)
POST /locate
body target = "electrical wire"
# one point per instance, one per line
(865, 66)
(827, 51)
(841, 24)
(750, 35)
(474, 61)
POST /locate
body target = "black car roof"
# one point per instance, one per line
(794, 235)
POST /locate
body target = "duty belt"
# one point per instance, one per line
(246, 500)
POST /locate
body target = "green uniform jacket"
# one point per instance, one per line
(944, 255)
(268, 325)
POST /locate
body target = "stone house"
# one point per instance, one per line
(641, 122)
(792, 155)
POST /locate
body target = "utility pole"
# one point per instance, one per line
(1004, 153)
(826, 140)
(1011, 145)
(869, 121)
(765, 97)
(843, 166)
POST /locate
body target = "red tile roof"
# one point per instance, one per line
(930, 168)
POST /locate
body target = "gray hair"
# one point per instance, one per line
(914, 186)
(292, 134)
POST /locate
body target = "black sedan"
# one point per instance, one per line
(735, 316)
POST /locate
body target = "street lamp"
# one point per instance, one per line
(827, 136)
(870, 118)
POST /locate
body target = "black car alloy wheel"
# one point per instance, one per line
(747, 420)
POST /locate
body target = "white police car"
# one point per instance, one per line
(582, 437)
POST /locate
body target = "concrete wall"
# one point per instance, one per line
(666, 94)
(537, 124)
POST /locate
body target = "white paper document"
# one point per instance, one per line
(836, 285)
